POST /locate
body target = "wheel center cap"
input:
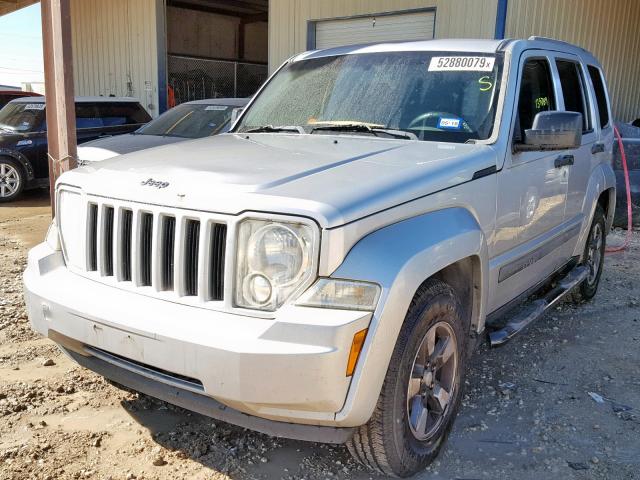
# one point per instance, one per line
(427, 378)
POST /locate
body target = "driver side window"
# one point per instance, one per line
(536, 95)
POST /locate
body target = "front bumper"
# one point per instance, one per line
(289, 369)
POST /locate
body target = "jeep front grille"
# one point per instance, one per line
(176, 253)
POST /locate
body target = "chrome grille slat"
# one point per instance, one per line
(191, 255)
(217, 245)
(92, 238)
(145, 254)
(167, 253)
(174, 254)
(107, 242)
(126, 242)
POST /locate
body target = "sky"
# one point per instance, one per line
(21, 47)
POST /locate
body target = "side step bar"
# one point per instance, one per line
(537, 308)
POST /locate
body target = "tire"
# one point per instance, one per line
(593, 250)
(388, 443)
(12, 179)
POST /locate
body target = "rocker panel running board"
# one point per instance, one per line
(538, 307)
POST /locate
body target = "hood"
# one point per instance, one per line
(333, 178)
(108, 147)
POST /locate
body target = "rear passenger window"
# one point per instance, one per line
(573, 91)
(536, 94)
(601, 96)
(87, 116)
(114, 114)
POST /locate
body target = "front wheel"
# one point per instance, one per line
(11, 179)
(422, 389)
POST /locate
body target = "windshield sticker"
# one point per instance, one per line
(450, 123)
(461, 64)
(485, 84)
(34, 106)
(218, 108)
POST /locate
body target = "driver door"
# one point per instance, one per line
(532, 192)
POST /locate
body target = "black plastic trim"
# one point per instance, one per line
(485, 172)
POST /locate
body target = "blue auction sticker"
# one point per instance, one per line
(450, 123)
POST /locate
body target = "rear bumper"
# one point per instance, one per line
(290, 369)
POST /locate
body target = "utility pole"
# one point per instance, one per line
(58, 80)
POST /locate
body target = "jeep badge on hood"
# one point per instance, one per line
(150, 182)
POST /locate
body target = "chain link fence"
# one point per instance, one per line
(196, 78)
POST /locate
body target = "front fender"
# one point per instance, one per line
(399, 258)
(19, 157)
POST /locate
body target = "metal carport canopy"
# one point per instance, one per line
(8, 6)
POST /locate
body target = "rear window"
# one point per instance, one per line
(601, 96)
(574, 91)
(114, 114)
(107, 114)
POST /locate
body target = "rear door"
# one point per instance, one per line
(532, 191)
(575, 97)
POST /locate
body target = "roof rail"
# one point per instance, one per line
(553, 40)
(503, 44)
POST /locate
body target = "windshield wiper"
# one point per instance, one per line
(272, 129)
(360, 127)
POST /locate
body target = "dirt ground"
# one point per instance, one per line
(527, 411)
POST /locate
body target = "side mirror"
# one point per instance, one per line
(553, 130)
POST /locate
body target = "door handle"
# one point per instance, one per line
(597, 148)
(563, 161)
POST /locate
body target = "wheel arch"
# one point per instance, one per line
(601, 190)
(21, 159)
(607, 200)
(448, 244)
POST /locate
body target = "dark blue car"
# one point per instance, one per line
(23, 136)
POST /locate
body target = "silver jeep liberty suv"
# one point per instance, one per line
(323, 271)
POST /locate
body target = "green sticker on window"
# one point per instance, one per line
(542, 102)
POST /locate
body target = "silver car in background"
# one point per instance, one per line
(189, 120)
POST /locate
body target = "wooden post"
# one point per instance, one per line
(58, 78)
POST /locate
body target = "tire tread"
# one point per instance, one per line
(368, 445)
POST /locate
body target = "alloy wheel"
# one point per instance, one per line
(9, 180)
(433, 381)
(594, 254)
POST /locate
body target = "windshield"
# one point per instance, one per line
(442, 96)
(190, 121)
(22, 117)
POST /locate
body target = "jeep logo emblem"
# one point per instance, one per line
(150, 182)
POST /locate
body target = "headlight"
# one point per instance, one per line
(342, 294)
(275, 260)
(70, 212)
